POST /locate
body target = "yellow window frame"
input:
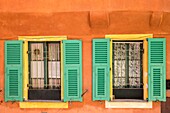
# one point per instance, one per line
(28, 104)
(145, 69)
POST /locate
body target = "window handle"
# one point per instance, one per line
(84, 92)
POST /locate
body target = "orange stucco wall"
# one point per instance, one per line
(82, 19)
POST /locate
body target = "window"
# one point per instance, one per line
(39, 69)
(129, 67)
(44, 71)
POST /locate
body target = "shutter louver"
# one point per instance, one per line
(101, 69)
(72, 70)
(13, 70)
(157, 69)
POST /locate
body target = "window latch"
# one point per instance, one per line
(13, 102)
(84, 92)
(28, 85)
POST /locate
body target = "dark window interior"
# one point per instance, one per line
(168, 84)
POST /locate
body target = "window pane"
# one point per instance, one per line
(127, 69)
(54, 65)
(127, 64)
(44, 71)
(37, 51)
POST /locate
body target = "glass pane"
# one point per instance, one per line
(37, 50)
(54, 65)
(44, 65)
(127, 64)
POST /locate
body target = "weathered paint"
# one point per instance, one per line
(43, 105)
(128, 104)
(71, 18)
(87, 106)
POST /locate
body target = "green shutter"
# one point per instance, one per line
(72, 70)
(101, 69)
(13, 70)
(157, 69)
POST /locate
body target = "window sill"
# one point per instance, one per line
(128, 104)
(43, 104)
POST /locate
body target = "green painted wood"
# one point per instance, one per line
(157, 69)
(101, 69)
(72, 70)
(13, 70)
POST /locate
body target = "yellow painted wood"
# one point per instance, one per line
(62, 74)
(145, 56)
(25, 70)
(145, 70)
(128, 104)
(111, 83)
(43, 104)
(42, 38)
(129, 36)
(25, 75)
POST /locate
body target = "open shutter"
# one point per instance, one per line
(72, 70)
(157, 69)
(13, 70)
(101, 69)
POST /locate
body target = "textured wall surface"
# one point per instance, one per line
(82, 19)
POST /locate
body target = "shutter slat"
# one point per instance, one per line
(157, 69)
(101, 64)
(72, 70)
(13, 70)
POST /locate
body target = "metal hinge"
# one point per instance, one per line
(146, 39)
(28, 85)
